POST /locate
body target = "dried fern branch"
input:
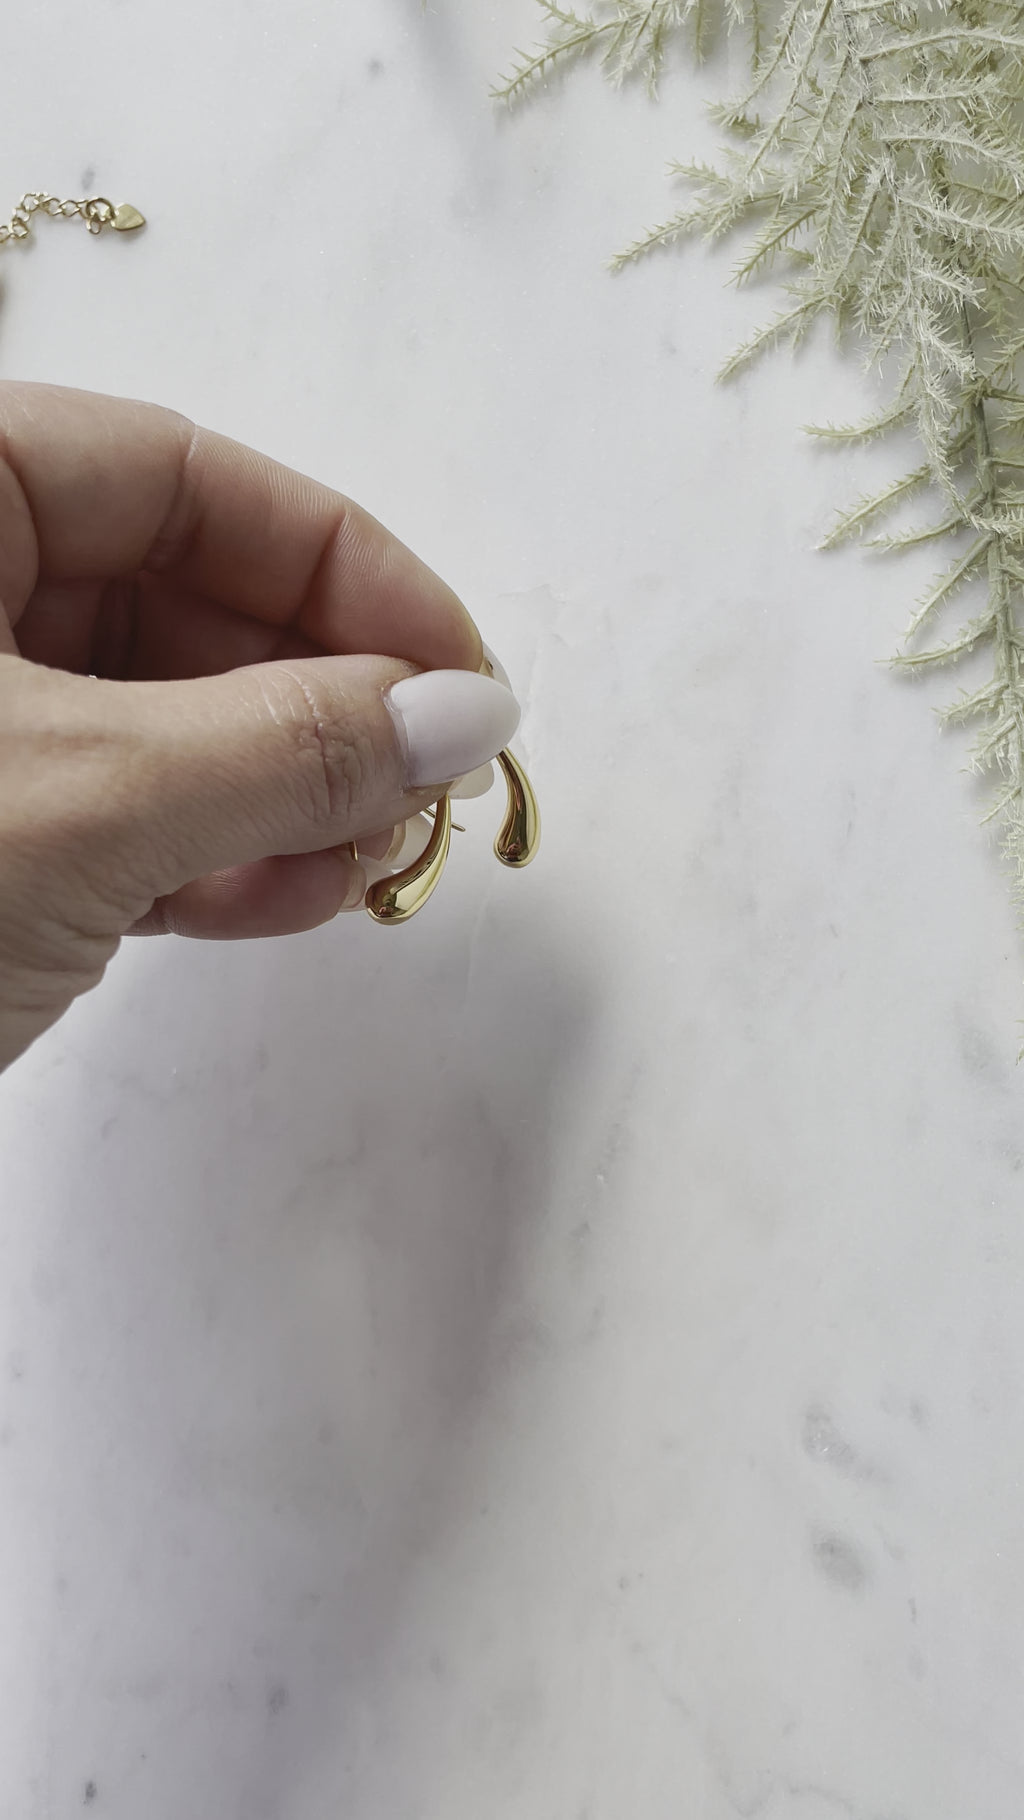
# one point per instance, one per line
(878, 156)
(630, 36)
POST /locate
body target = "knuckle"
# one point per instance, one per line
(334, 760)
(66, 764)
(60, 751)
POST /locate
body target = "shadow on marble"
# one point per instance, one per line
(309, 1208)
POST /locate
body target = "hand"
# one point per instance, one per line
(191, 728)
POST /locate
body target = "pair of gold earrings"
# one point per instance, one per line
(396, 899)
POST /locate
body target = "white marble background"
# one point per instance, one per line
(562, 1361)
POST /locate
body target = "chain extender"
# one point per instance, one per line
(95, 211)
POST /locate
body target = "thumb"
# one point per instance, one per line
(292, 757)
(127, 791)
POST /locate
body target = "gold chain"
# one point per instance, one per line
(95, 211)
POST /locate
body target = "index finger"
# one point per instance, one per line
(93, 488)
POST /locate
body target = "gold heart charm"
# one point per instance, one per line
(127, 218)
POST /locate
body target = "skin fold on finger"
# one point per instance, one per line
(271, 897)
(93, 488)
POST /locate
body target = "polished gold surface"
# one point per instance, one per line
(127, 218)
(396, 899)
(519, 834)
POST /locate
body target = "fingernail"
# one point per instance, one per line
(475, 783)
(492, 667)
(449, 722)
(356, 890)
(416, 834)
(408, 844)
(397, 842)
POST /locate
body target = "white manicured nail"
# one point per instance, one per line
(353, 897)
(449, 722)
(417, 834)
(493, 668)
(398, 840)
(476, 783)
(411, 839)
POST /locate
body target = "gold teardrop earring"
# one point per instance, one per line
(396, 899)
(519, 835)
